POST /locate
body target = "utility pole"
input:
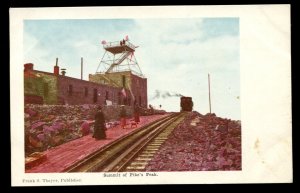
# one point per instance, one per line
(81, 67)
(209, 93)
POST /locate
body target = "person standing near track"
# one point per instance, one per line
(123, 117)
(99, 127)
(136, 113)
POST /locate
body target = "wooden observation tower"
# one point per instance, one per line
(119, 57)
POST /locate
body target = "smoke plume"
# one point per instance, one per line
(165, 94)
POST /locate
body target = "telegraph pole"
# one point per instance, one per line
(209, 93)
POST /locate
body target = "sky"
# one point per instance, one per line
(175, 55)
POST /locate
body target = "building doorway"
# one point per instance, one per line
(95, 98)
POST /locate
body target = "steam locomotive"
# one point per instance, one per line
(186, 103)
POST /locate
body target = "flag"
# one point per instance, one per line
(126, 38)
(130, 91)
(103, 42)
(131, 55)
(124, 92)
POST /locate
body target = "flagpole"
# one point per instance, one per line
(209, 93)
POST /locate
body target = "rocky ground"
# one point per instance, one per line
(200, 143)
(47, 126)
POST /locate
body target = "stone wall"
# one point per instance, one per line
(41, 85)
(112, 113)
(67, 90)
(139, 90)
(112, 79)
(50, 82)
(76, 112)
(136, 87)
(85, 92)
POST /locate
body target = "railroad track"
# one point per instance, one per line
(131, 152)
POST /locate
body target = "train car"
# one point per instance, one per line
(186, 103)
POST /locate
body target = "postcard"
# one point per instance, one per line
(150, 95)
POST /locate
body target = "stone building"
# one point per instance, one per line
(135, 86)
(119, 88)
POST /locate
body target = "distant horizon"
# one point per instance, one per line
(175, 56)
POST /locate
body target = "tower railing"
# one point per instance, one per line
(118, 57)
(117, 44)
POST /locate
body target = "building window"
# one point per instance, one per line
(106, 95)
(140, 101)
(70, 90)
(46, 89)
(86, 91)
(123, 80)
